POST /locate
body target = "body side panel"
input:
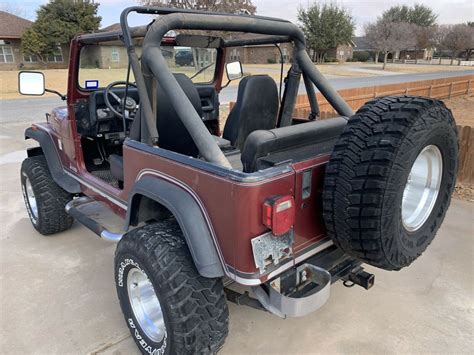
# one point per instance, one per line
(235, 208)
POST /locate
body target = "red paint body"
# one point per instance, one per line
(233, 208)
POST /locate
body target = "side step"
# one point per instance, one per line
(98, 218)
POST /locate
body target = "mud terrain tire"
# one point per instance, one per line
(47, 202)
(370, 166)
(194, 309)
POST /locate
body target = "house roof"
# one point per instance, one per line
(113, 27)
(12, 26)
(361, 44)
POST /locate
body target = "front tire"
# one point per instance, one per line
(390, 178)
(168, 307)
(45, 201)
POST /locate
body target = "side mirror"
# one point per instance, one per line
(234, 71)
(31, 83)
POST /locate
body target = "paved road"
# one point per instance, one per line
(24, 109)
(348, 83)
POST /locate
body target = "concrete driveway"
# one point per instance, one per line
(57, 294)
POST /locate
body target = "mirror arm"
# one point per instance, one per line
(63, 97)
(226, 85)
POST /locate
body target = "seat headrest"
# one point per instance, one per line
(256, 108)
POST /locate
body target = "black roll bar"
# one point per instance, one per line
(153, 63)
(256, 41)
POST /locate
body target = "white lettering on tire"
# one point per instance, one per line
(148, 348)
(135, 331)
(122, 267)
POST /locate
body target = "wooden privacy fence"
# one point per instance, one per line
(440, 89)
(444, 88)
(466, 154)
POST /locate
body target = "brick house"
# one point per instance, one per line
(11, 57)
(342, 52)
(410, 54)
(363, 45)
(260, 54)
(104, 57)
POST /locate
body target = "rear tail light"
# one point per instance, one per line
(279, 214)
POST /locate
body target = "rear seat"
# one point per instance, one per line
(267, 148)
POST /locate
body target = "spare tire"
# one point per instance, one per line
(390, 178)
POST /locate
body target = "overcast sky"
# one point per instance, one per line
(363, 11)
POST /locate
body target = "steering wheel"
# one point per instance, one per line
(130, 103)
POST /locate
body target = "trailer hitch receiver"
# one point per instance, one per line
(361, 278)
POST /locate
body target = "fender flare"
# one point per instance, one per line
(52, 158)
(190, 217)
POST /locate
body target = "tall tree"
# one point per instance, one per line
(229, 6)
(390, 37)
(57, 23)
(419, 15)
(325, 27)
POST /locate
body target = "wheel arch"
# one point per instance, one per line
(48, 149)
(152, 196)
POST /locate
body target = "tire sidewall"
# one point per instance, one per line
(415, 242)
(34, 220)
(123, 264)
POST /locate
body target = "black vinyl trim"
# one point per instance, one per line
(231, 174)
(189, 216)
(52, 158)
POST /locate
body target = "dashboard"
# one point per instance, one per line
(95, 119)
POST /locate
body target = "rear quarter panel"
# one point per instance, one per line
(235, 208)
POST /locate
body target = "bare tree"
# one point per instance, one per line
(425, 38)
(421, 17)
(457, 38)
(390, 37)
(229, 6)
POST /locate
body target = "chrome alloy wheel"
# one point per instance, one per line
(422, 188)
(145, 305)
(30, 197)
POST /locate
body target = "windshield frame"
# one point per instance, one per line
(167, 42)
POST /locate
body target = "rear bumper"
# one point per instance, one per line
(305, 288)
(255, 279)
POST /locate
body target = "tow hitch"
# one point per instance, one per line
(359, 277)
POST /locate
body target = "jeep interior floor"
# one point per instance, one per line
(107, 176)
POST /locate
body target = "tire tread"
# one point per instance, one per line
(198, 310)
(50, 197)
(357, 175)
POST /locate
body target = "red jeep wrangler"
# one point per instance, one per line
(279, 205)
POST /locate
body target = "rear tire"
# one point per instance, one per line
(45, 201)
(390, 178)
(189, 313)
